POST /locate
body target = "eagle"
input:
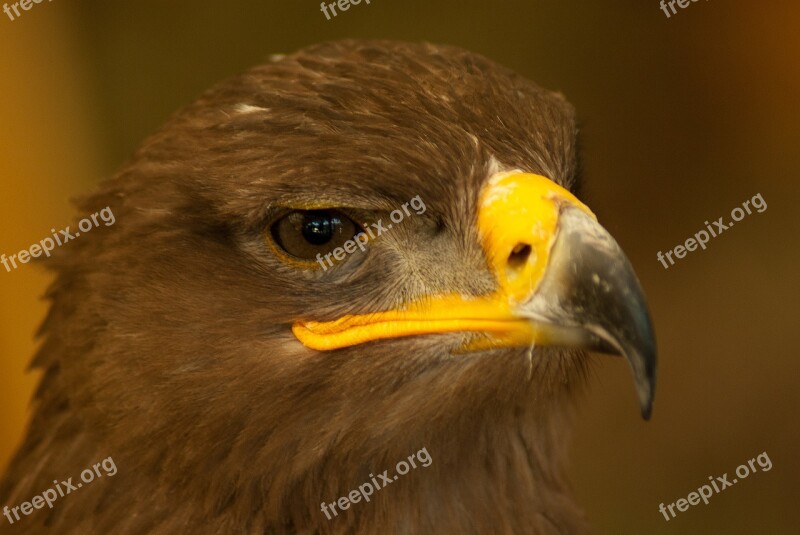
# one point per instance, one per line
(346, 255)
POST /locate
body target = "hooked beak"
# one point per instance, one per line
(562, 281)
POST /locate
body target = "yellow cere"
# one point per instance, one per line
(517, 210)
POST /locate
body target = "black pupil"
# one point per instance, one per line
(319, 227)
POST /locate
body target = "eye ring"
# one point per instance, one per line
(307, 235)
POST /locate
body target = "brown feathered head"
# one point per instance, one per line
(347, 255)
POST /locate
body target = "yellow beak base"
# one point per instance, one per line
(517, 221)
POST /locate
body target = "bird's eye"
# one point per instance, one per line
(306, 233)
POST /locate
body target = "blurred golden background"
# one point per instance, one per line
(683, 119)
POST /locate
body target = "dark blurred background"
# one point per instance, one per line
(683, 119)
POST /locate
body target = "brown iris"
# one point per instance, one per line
(304, 234)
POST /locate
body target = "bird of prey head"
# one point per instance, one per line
(239, 382)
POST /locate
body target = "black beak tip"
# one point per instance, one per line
(647, 409)
(646, 385)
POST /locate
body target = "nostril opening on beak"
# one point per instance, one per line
(519, 256)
